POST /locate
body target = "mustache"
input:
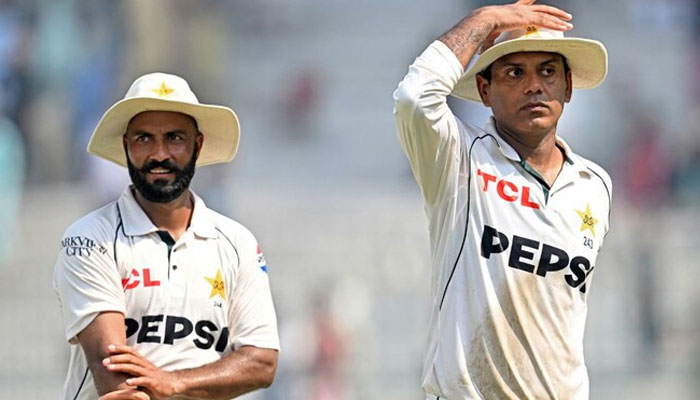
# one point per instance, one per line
(167, 164)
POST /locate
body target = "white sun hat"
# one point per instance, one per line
(165, 92)
(587, 59)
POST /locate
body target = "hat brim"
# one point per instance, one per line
(218, 124)
(587, 59)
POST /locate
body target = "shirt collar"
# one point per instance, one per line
(572, 160)
(137, 223)
(509, 152)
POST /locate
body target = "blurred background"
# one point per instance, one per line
(321, 180)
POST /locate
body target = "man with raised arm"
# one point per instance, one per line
(161, 296)
(516, 218)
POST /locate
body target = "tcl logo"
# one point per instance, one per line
(133, 280)
(507, 190)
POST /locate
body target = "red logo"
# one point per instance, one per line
(508, 190)
(133, 281)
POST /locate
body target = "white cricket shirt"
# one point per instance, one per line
(512, 258)
(185, 304)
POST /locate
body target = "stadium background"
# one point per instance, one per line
(320, 178)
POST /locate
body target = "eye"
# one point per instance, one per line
(548, 71)
(142, 137)
(175, 136)
(514, 72)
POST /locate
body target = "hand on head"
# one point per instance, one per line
(521, 14)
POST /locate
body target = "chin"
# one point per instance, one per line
(538, 123)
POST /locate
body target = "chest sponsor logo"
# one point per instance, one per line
(522, 249)
(137, 278)
(81, 246)
(217, 285)
(506, 190)
(170, 329)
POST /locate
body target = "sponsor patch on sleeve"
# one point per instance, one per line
(81, 246)
(261, 260)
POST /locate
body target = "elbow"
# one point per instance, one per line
(406, 99)
(267, 372)
(415, 101)
(266, 380)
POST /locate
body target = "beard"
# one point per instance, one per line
(160, 191)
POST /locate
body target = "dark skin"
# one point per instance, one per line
(160, 136)
(526, 94)
(527, 91)
(119, 371)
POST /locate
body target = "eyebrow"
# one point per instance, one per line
(550, 61)
(173, 132)
(516, 64)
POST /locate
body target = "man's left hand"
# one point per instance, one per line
(157, 383)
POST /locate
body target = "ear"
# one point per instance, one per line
(124, 144)
(569, 86)
(483, 86)
(198, 142)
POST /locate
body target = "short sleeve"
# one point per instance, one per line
(252, 314)
(86, 281)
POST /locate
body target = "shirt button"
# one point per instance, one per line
(174, 267)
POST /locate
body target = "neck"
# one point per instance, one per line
(172, 217)
(538, 149)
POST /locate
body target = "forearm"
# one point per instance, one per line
(465, 38)
(482, 26)
(240, 372)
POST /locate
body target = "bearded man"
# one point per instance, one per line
(160, 295)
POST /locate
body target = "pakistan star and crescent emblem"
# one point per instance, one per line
(587, 220)
(163, 91)
(531, 31)
(217, 285)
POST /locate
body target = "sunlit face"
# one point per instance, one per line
(527, 91)
(162, 149)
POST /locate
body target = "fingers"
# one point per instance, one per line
(156, 387)
(125, 394)
(547, 21)
(125, 354)
(126, 359)
(116, 349)
(525, 2)
(128, 368)
(557, 12)
(141, 381)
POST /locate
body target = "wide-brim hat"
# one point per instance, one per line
(165, 92)
(587, 59)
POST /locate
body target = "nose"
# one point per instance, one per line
(533, 83)
(160, 151)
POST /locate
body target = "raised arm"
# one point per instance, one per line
(428, 131)
(478, 30)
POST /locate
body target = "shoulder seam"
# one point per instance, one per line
(120, 224)
(238, 256)
(605, 185)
